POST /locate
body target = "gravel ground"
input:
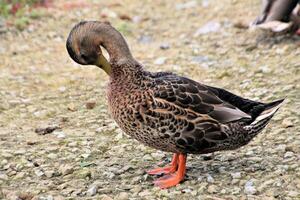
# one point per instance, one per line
(57, 140)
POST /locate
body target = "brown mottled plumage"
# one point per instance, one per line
(163, 110)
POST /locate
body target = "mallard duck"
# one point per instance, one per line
(163, 110)
(279, 16)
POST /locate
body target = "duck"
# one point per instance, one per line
(279, 16)
(163, 110)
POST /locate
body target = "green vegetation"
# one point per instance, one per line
(20, 12)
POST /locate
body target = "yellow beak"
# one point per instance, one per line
(103, 64)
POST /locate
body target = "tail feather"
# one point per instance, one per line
(264, 117)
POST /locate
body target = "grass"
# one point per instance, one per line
(20, 12)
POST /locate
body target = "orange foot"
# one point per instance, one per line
(173, 178)
(166, 170)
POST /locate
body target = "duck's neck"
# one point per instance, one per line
(112, 40)
(126, 72)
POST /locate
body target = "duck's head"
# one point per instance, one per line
(86, 38)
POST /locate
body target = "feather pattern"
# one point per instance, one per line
(176, 114)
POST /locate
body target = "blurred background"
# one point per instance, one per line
(57, 140)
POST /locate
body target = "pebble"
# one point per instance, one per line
(236, 175)
(147, 157)
(209, 178)
(3, 176)
(160, 61)
(122, 196)
(164, 46)
(200, 59)
(7, 155)
(20, 175)
(90, 105)
(249, 188)
(92, 190)
(286, 123)
(39, 172)
(209, 27)
(66, 169)
(187, 5)
(52, 156)
(108, 13)
(46, 130)
(136, 189)
(49, 197)
(49, 173)
(212, 189)
(145, 39)
(288, 154)
(144, 193)
(105, 197)
(59, 134)
(293, 194)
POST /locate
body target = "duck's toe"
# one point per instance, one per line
(162, 170)
(169, 180)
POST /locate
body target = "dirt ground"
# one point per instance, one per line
(88, 157)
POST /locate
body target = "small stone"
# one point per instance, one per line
(144, 193)
(39, 172)
(25, 196)
(105, 197)
(3, 162)
(187, 5)
(200, 59)
(49, 173)
(3, 176)
(145, 39)
(122, 196)
(209, 178)
(286, 123)
(136, 189)
(72, 107)
(236, 175)
(66, 169)
(249, 153)
(59, 134)
(147, 157)
(20, 152)
(108, 13)
(288, 154)
(212, 189)
(208, 28)
(7, 155)
(52, 156)
(119, 136)
(187, 190)
(20, 175)
(249, 188)
(164, 46)
(92, 190)
(158, 155)
(46, 130)
(62, 89)
(293, 194)
(49, 197)
(160, 61)
(90, 105)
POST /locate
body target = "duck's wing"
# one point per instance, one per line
(191, 113)
(196, 97)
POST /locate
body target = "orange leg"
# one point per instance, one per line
(168, 169)
(173, 179)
